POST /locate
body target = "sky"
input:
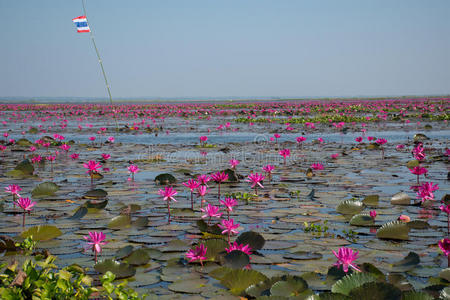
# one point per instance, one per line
(226, 48)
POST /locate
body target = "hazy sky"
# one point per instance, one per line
(216, 48)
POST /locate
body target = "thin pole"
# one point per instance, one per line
(91, 32)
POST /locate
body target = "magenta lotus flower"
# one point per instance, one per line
(255, 179)
(300, 140)
(373, 214)
(285, 153)
(444, 245)
(234, 163)
(219, 177)
(198, 253)
(334, 156)
(229, 203)
(203, 179)
(239, 247)
(202, 191)
(192, 185)
(13, 189)
(320, 140)
(229, 227)
(426, 191)
(381, 141)
(370, 138)
(65, 147)
(92, 138)
(268, 169)
(93, 168)
(345, 257)
(106, 156)
(359, 139)
(446, 209)
(36, 159)
(316, 166)
(26, 205)
(95, 242)
(203, 140)
(211, 211)
(400, 147)
(111, 139)
(167, 195)
(418, 170)
(418, 152)
(133, 169)
(32, 149)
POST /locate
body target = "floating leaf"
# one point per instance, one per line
(44, 189)
(232, 175)
(42, 232)
(376, 291)
(420, 137)
(24, 142)
(25, 167)
(140, 222)
(417, 296)
(238, 280)
(124, 252)
(348, 283)
(255, 240)
(303, 255)
(121, 270)
(412, 163)
(165, 179)
(220, 273)
(120, 222)
(369, 268)
(291, 287)
(418, 224)
(81, 212)
(395, 230)
(95, 194)
(401, 198)
(236, 259)
(7, 243)
(95, 204)
(371, 200)
(361, 220)
(138, 257)
(407, 263)
(190, 286)
(214, 247)
(350, 207)
(204, 227)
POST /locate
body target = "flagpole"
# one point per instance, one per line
(101, 65)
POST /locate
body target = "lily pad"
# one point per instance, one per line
(95, 204)
(214, 247)
(350, 207)
(376, 291)
(81, 212)
(417, 296)
(190, 286)
(361, 220)
(44, 189)
(24, 142)
(412, 163)
(138, 257)
(121, 270)
(371, 200)
(407, 263)
(165, 179)
(7, 243)
(95, 194)
(124, 252)
(420, 137)
(236, 259)
(401, 198)
(255, 240)
(293, 286)
(349, 282)
(120, 222)
(25, 167)
(395, 230)
(445, 274)
(303, 255)
(42, 232)
(238, 280)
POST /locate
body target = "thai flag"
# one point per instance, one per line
(81, 23)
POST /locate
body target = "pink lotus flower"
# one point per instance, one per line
(320, 140)
(400, 147)
(32, 148)
(345, 257)
(239, 247)
(13, 189)
(192, 185)
(65, 147)
(92, 166)
(373, 214)
(202, 191)
(268, 169)
(444, 245)
(255, 179)
(111, 139)
(50, 158)
(370, 138)
(75, 156)
(234, 163)
(418, 170)
(167, 195)
(334, 156)
(285, 153)
(92, 138)
(95, 242)
(203, 179)
(317, 166)
(219, 177)
(229, 227)
(229, 203)
(26, 205)
(211, 211)
(404, 218)
(36, 159)
(300, 139)
(381, 141)
(198, 253)
(418, 152)
(106, 156)
(359, 139)
(203, 140)
(426, 191)
(133, 169)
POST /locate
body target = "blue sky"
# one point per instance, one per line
(218, 48)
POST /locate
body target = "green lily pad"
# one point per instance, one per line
(412, 163)
(420, 137)
(395, 230)
(445, 293)
(371, 200)
(44, 189)
(215, 247)
(165, 179)
(190, 286)
(350, 207)
(33, 130)
(120, 222)
(42, 232)
(232, 175)
(81, 212)
(121, 270)
(25, 167)
(138, 257)
(361, 220)
(303, 255)
(293, 286)
(401, 198)
(24, 142)
(140, 222)
(124, 252)
(236, 259)
(407, 263)
(204, 227)
(444, 274)
(255, 240)
(418, 224)
(348, 283)
(7, 243)
(417, 296)
(95, 204)
(95, 194)
(220, 273)
(376, 291)
(369, 268)
(238, 280)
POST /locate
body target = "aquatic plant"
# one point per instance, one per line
(219, 178)
(346, 257)
(197, 253)
(167, 195)
(26, 205)
(95, 241)
(255, 179)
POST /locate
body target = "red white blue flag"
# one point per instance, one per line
(82, 24)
